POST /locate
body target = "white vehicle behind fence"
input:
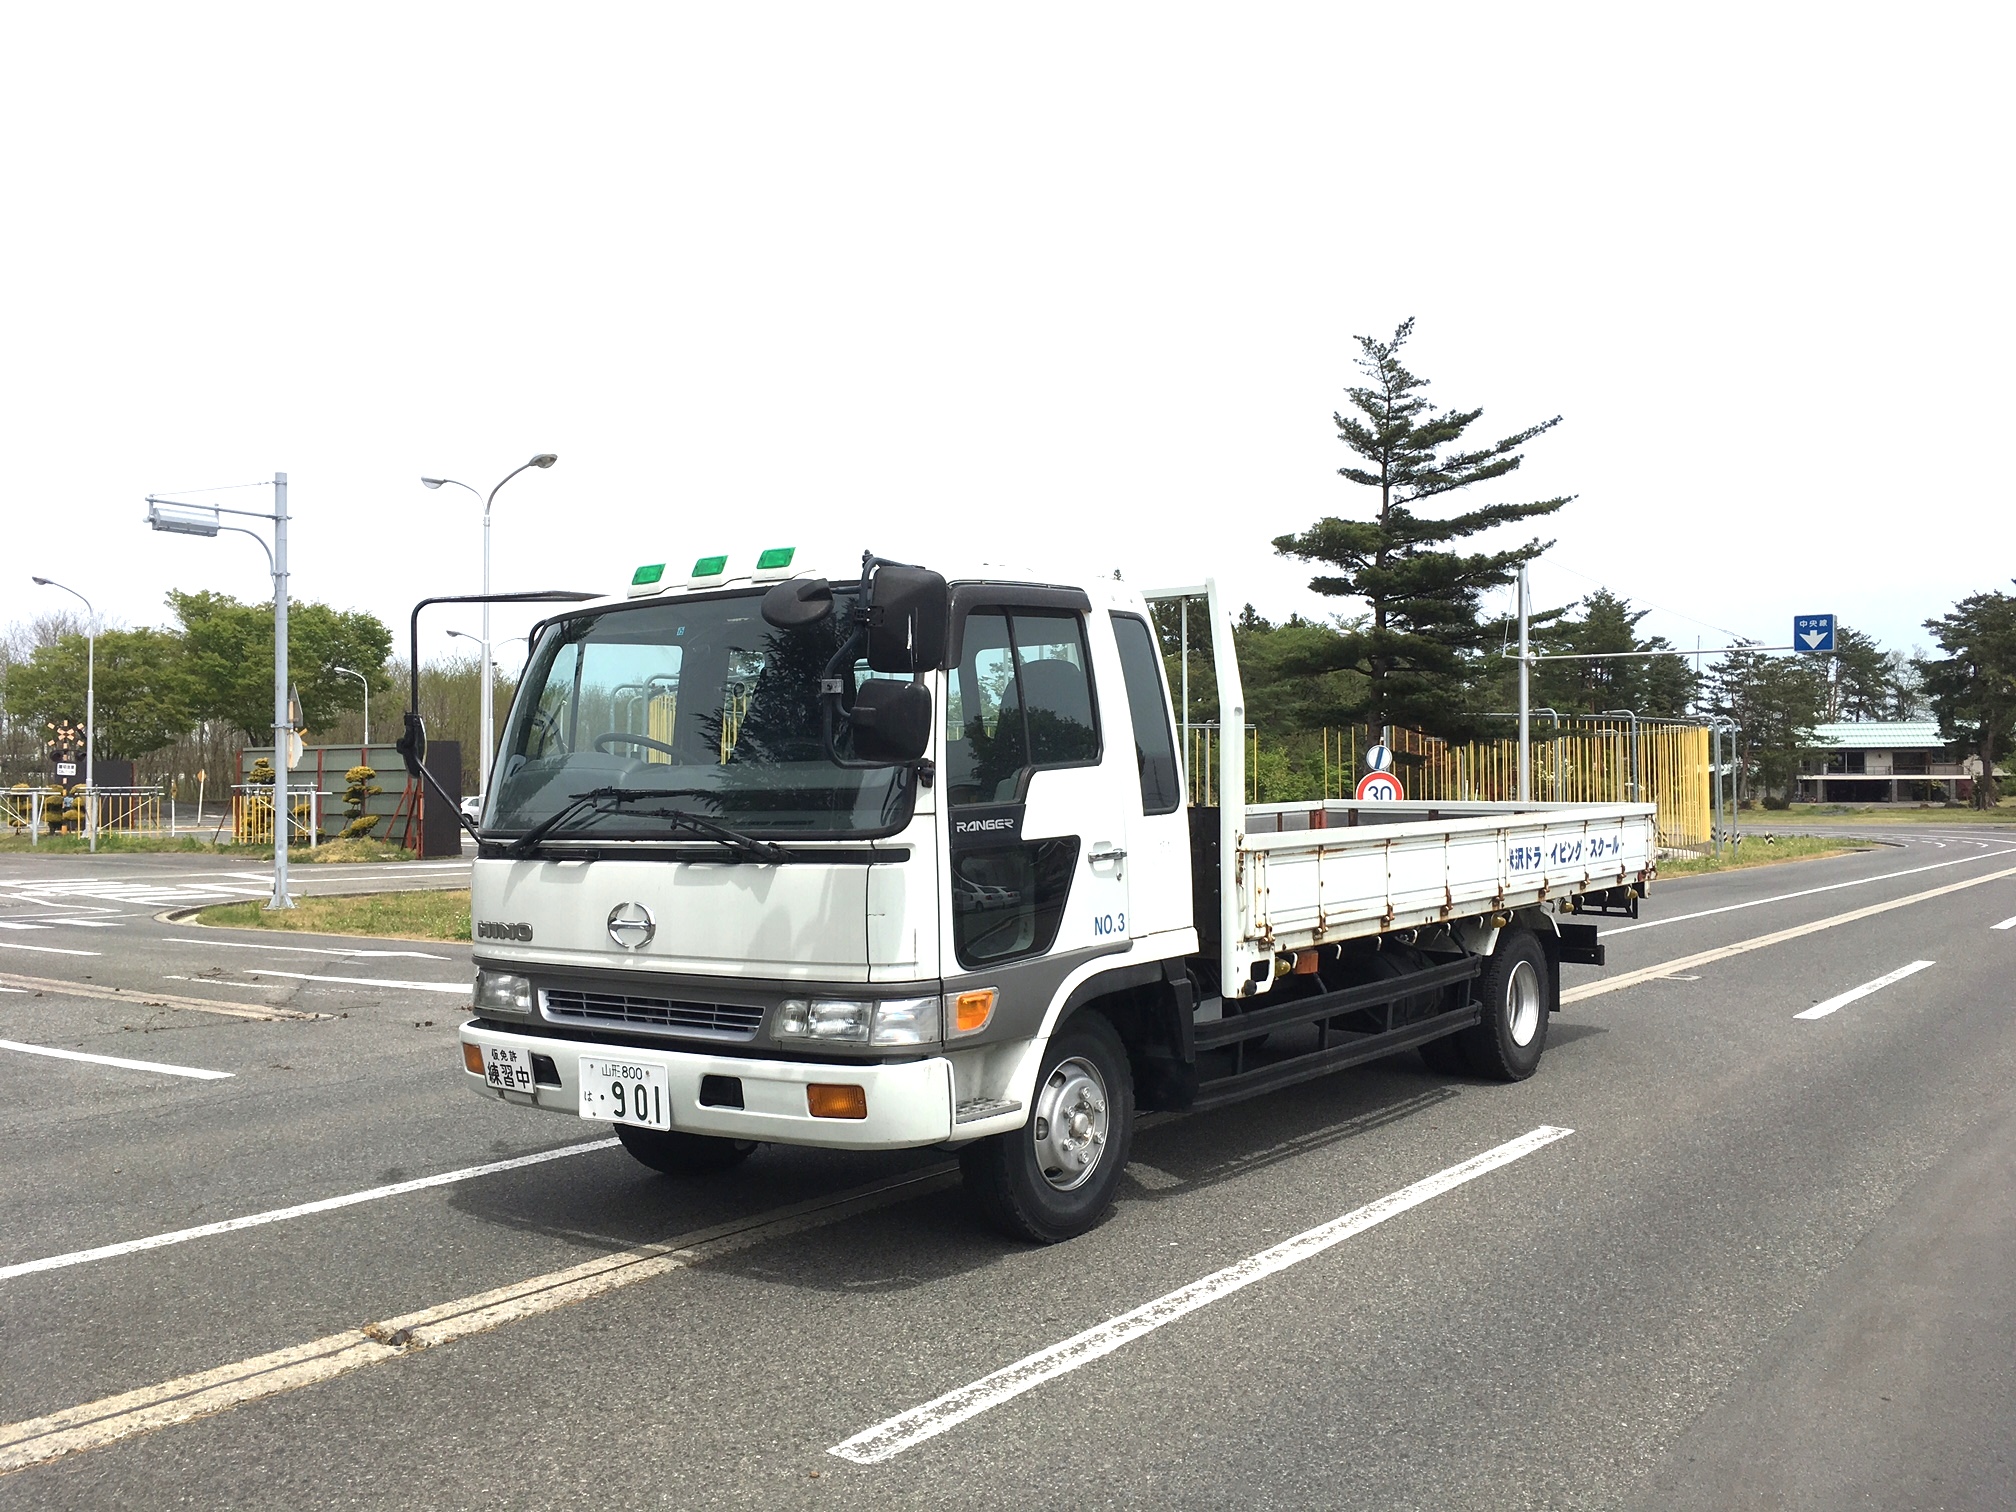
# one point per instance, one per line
(906, 860)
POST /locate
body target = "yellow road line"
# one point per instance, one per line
(143, 999)
(110, 1419)
(1625, 979)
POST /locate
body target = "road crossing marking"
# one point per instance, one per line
(908, 1429)
(299, 1210)
(116, 1060)
(1833, 1004)
(110, 1419)
(1808, 892)
(1625, 979)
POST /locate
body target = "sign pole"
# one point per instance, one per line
(282, 725)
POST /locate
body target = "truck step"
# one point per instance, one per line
(976, 1108)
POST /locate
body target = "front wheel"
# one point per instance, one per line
(676, 1153)
(1054, 1178)
(1513, 987)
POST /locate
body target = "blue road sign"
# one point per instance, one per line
(1813, 632)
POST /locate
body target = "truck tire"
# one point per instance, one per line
(676, 1153)
(1054, 1178)
(1507, 1043)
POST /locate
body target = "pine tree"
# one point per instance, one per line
(1419, 644)
(1973, 687)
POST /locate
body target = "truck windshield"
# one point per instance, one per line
(697, 697)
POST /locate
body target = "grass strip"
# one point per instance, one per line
(414, 915)
(1763, 850)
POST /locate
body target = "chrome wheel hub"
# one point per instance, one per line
(1071, 1124)
(1522, 1003)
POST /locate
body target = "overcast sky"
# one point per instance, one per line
(1077, 284)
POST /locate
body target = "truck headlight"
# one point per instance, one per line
(859, 1021)
(504, 990)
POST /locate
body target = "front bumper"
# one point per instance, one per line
(909, 1103)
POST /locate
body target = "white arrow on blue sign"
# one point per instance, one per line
(1813, 632)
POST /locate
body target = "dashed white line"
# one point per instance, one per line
(299, 1210)
(908, 1429)
(462, 988)
(116, 1060)
(1833, 1004)
(2005, 924)
(47, 949)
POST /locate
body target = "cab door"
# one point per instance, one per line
(1036, 826)
(1142, 739)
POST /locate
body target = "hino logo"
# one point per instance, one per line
(496, 929)
(631, 926)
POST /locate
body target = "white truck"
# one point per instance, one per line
(906, 860)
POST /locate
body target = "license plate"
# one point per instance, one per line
(507, 1067)
(625, 1092)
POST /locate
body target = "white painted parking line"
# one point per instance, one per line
(1805, 893)
(464, 988)
(47, 949)
(1833, 1004)
(908, 1429)
(299, 1210)
(116, 1060)
(2005, 924)
(415, 955)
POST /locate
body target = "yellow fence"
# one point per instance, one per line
(1576, 761)
(252, 818)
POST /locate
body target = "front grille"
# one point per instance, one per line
(712, 1020)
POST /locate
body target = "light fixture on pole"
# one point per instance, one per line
(90, 705)
(177, 518)
(366, 683)
(544, 459)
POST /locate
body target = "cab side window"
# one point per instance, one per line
(1148, 708)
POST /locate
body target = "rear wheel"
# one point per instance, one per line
(1054, 1178)
(1513, 987)
(677, 1153)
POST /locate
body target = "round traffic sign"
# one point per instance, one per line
(1380, 787)
(1378, 758)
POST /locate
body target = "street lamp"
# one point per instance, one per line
(90, 704)
(202, 520)
(366, 682)
(544, 459)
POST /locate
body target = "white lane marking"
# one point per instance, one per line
(116, 1060)
(908, 1429)
(414, 955)
(86, 923)
(11, 924)
(463, 988)
(299, 1210)
(1625, 979)
(2005, 924)
(1821, 1010)
(131, 1413)
(1806, 893)
(47, 949)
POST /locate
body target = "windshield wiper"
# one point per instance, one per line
(706, 828)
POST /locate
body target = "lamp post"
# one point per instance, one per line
(90, 705)
(366, 684)
(544, 459)
(177, 518)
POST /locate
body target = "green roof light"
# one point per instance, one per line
(646, 575)
(710, 566)
(775, 558)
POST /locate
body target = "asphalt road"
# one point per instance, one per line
(1718, 1256)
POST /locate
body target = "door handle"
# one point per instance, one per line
(1115, 854)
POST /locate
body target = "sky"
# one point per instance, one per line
(1072, 285)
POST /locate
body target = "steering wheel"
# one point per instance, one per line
(617, 737)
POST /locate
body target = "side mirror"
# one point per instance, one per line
(891, 720)
(801, 601)
(909, 613)
(412, 745)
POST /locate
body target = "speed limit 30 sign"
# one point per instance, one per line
(1380, 787)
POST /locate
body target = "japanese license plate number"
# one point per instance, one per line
(507, 1067)
(625, 1092)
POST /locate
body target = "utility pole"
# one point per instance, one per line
(283, 725)
(1525, 671)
